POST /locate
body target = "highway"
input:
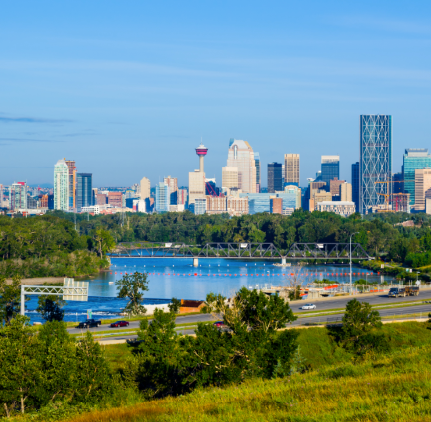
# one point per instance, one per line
(321, 304)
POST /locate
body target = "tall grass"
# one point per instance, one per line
(392, 388)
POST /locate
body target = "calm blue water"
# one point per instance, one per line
(175, 277)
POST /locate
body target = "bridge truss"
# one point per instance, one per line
(296, 251)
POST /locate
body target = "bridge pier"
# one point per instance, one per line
(195, 262)
(283, 261)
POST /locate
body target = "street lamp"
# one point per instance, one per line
(351, 261)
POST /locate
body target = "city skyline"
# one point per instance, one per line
(284, 78)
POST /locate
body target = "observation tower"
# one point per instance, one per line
(201, 151)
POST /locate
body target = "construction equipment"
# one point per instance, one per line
(389, 196)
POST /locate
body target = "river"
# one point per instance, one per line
(176, 277)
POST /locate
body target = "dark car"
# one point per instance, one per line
(89, 323)
(120, 324)
(219, 324)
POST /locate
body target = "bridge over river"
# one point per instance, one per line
(297, 251)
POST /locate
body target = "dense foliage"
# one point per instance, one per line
(378, 233)
(248, 346)
(37, 369)
(49, 246)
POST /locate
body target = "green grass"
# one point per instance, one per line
(396, 387)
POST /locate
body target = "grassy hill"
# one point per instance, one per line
(395, 387)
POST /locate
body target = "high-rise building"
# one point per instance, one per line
(196, 186)
(375, 163)
(84, 190)
(241, 155)
(72, 183)
(18, 196)
(172, 182)
(211, 187)
(200, 206)
(1, 195)
(182, 196)
(422, 188)
(346, 192)
(398, 180)
(237, 206)
(101, 199)
(330, 168)
(291, 195)
(355, 185)
(275, 177)
(145, 188)
(163, 197)
(229, 177)
(115, 199)
(258, 176)
(334, 186)
(61, 186)
(414, 158)
(276, 205)
(291, 169)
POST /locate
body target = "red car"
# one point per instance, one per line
(219, 324)
(120, 324)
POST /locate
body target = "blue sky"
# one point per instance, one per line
(128, 89)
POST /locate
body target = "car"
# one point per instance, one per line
(308, 306)
(89, 323)
(120, 324)
(219, 324)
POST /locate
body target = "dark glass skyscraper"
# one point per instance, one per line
(275, 177)
(84, 190)
(257, 162)
(375, 165)
(355, 185)
(330, 169)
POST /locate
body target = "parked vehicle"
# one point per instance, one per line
(219, 324)
(308, 306)
(89, 323)
(120, 324)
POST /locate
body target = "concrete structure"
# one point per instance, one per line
(346, 192)
(375, 164)
(115, 199)
(18, 196)
(338, 207)
(196, 186)
(176, 208)
(229, 176)
(145, 188)
(258, 171)
(422, 188)
(334, 186)
(172, 182)
(182, 197)
(61, 186)
(241, 156)
(216, 204)
(200, 206)
(72, 183)
(84, 190)
(163, 197)
(237, 206)
(413, 159)
(428, 205)
(291, 169)
(101, 199)
(275, 205)
(201, 151)
(275, 177)
(319, 195)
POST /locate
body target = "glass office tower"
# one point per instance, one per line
(330, 168)
(258, 180)
(375, 165)
(275, 177)
(355, 185)
(414, 158)
(162, 197)
(84, 190)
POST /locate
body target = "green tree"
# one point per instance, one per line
(50, 307)
(104, 242)
(21, 376)
(359, 321)
(131, 286)
(10, 298)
